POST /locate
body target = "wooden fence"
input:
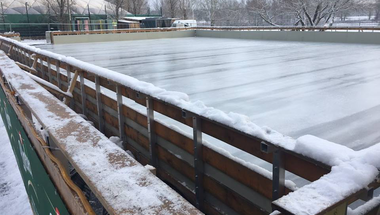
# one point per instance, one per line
(207, 178)
(276, 28)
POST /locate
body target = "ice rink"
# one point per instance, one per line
(297, 88)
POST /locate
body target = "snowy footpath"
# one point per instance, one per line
(13, 197)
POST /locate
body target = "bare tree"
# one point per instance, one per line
(211, 7)
(377, 10)
(303, 12)
(269, 11)
(185, 7)
(116, 7)
(157, 5)
(170, 7)
(136, 6)
(60, 8)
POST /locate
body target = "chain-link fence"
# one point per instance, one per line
(37, 30)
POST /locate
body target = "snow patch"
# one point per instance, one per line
(13, 197)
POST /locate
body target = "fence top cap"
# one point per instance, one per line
(125, 185)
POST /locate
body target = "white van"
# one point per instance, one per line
(184, 23)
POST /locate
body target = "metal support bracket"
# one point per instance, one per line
(278, 174)
(83, 94)
(58, 70)
(366, 196)
(68, 72)
(198, 162)
(184, 114)
(49, 69)
(266, 148)
(151, 133)
(120, 115)
(99, 105)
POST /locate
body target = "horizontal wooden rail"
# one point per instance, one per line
(10, 35)
(177, 157)
(269, 28)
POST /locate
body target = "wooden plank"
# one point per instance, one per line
(136, 136)
(172, 112)
(90, 92)
(230, 198)
(172, 182)
(238, 140)
(174, 137)
(132, 94)
(304, 168)
(91, 107)
(77, 98)
(111, 120)
(168, 179)
(239, 172)
(107, 84)
(176, 163)
(109, 102)
(135, 116)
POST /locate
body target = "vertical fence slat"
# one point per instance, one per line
(42, 68)
(278, 174)
(83, 96)
(99, 105)
(68, 73)
(120, 112)
(198, 162)
(49, 69)
(151, 133)
(58, 70)
(30, 63)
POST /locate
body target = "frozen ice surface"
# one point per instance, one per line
(297, 88)
(13, 197)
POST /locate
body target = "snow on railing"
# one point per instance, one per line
(309, 157)
(124, 186)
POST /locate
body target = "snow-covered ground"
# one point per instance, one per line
(34, 42)
(13, 197)
(297, 88)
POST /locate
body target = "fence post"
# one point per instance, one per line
(198, 162)
(278, 174)
(151, 133)
(99, 105)
(120, 112)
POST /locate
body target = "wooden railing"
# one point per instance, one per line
(276, 28)
(206, 177)
(10, 35)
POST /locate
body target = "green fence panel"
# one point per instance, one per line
(42, 193)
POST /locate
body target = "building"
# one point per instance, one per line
(33, 17)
